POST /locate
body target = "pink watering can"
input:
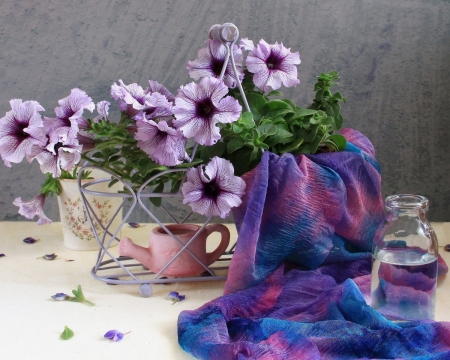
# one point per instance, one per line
(163, 247)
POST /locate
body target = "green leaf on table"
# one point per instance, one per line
(79, 296)
(66, 334)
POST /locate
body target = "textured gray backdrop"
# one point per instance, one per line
(393, 57)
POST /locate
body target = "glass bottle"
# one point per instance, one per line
(405, 261)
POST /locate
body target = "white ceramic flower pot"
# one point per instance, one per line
(77, 230)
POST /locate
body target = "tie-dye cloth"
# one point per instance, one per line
(299, 280)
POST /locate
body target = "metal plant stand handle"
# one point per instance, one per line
(119, 270)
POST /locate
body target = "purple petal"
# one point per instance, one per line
(20, 130)
(210, 63)
(29, 240)
(157, 87)
(32, 208)
(273, 65)
(214, 190)
(2, 255)
(60, 296)
(114, 335)
(163, 143)
(199, 107)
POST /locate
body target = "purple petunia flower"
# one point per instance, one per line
(213, 190)
(210, 62)
(20, 130)
(114, 335)
(157, 87)
(163, 143)
(246, 44)
(199, 107)
(138, 103)
(69, 117)
(103, 110)
(55, 157)
(34, 207)
(273, 65)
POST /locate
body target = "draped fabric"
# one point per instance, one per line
(299, 281)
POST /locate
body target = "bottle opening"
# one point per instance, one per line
(406, 202)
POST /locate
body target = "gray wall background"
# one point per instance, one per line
(393, 57)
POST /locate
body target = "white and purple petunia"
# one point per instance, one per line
(141, 104)
(246, 44)
(34, 207)
(199, 107)
(162, 142)
(212, 190)
(273, 65)
(55, 157)
(157, 87)
(102, 110)
(210, 62)
(69, 117)
(21, 129)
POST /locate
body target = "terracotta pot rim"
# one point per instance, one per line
(171, 227)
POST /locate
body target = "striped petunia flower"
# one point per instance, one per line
(273, 65)
(21, 129)
(210, 62)
(212, 190)
(162, 142)
(199, 107)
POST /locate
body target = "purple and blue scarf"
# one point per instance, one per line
(299, 281)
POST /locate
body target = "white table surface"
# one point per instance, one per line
(31, 322)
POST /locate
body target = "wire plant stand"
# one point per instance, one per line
(120, 270)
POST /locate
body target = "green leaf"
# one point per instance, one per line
(276, 105)
(235, 144)
(292, 146)
(268, 129)
(237, 128)
(339, 140)
(157, 200)
(185, 165)
(246, 120)
(66, 334)
(256, 102)
(208, 152)
(282, 136)
(300, 113)
(274, 93)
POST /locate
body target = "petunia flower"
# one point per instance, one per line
(138, 103)
(176, 297)
(210, 62)
(69, 117)
(273, 65)
(213, 190)
(58, 156)
(157, 87)
(20, 130)
(114, 335)
(163, 143)
(103, 110)
(246, 44)
(34, 207)
(199, 107)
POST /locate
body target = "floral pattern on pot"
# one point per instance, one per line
(78, 220)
